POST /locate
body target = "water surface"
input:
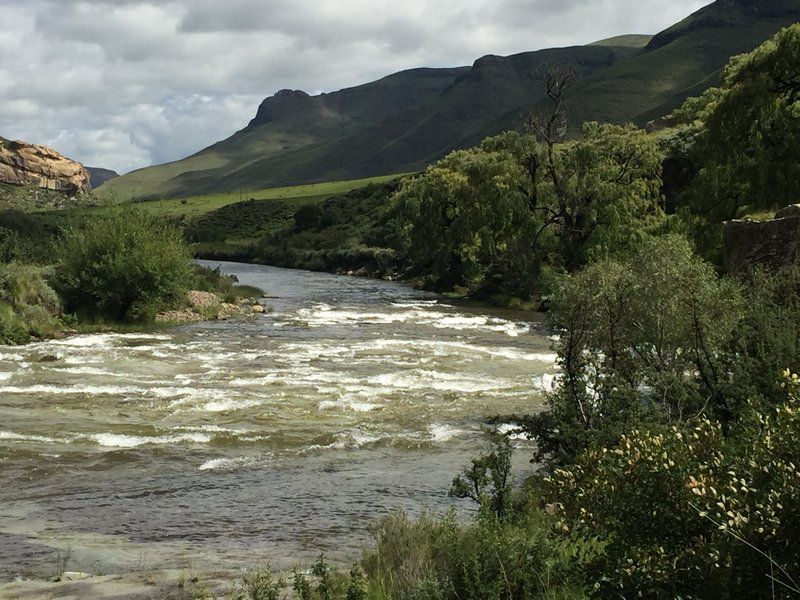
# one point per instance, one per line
(271, 438)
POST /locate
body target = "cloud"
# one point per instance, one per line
(128, 83)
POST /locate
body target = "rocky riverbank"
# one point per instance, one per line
(208, 306)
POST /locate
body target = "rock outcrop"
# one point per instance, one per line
(31, 164)
(770, 244)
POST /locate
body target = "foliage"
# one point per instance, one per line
(691, 512)
(494, 215)
(467, 221)
(745, 137)
(350, 232)
(766, 340)
(28, 305)
(124, 266)
(602, 193)
(260, 585)
(226, 286)
(488, 481)
(641, 339)
(490, 558)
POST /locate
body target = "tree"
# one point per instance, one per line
(745, 136)
(122, 265)
(467, 223)
(642, 339)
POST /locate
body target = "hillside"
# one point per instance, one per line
(404, 121)
(98, 176)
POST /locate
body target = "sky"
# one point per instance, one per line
(124, 84)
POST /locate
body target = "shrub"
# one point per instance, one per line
(641, 339)
(490, 558)
(124, 266)
(691, 512)
(260, 585)
(28, 305)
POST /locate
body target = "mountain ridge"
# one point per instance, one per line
(406, 120)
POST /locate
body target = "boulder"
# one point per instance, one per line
(770, 244)
(31, 164)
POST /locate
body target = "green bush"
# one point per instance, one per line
(28, 305)
(766, 340)
(124, 266)
(642, 339)
(690, 512)
(491, 558)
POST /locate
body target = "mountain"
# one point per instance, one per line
(99, 176)
(403, 122)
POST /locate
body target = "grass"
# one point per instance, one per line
(195, 206)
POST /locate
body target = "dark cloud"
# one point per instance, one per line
(127, 83)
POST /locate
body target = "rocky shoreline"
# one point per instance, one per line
(208, 306)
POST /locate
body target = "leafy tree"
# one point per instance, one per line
(601, 193)
(744, 137)
(641, 339)
(124, 266)
(466, 221)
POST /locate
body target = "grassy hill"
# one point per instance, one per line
(404, 121)
(631, 40)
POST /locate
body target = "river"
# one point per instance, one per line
(266, 439)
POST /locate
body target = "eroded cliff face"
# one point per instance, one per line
(770, 244)
(32, 164)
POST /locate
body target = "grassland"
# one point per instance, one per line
(196, 206)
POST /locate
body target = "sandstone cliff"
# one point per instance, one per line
(31, 164)
(771, 244)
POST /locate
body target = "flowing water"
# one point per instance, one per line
(270, 438)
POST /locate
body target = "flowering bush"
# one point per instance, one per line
(689, 512)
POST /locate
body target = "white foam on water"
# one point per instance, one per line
(512, 431)
(171, 392)
(415, 304)
(113, 440)
(545, 382)
(436, 380)
(90, 390)
(102, 340)
(86, 371)
(19, 437)
(254, 381)
(225, 464)
(228, 405)
(324, 315)
(13, 357)
(349, 403)
(5, 376)
(441, 432)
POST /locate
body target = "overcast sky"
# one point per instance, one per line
(129, 83)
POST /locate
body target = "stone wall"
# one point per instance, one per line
(771, 244)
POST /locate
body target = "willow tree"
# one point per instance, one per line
(467, 222)
(747, 146)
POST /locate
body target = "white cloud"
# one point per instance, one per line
(127, 83)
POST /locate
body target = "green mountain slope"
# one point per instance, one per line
(405, 121)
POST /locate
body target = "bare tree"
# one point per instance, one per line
(548, 123)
